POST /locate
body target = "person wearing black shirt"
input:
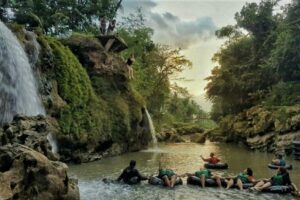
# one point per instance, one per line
(131, 175)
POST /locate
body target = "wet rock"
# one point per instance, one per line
(176, 138)
(262, 128)
(32, 176)
(32, 132)
(264, 142)
(198, 138)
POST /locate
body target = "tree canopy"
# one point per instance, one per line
(261, 51)
(59, 16)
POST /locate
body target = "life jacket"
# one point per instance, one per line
(244, 177)
(277, 179)
(282, 162)
(204, 172)
(166, 172)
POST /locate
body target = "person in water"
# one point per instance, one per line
(281, 178)
(241, 179)
(279, 161)
(212, 159)
(168, 176)
(129, 64)
(205, 174)
(131, 175)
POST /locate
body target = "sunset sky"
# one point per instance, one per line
(189, 24)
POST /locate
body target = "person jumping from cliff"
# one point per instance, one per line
(131, 175)
(212, 160)
(129, 64)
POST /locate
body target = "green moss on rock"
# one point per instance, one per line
(101, 108)
(84, 111)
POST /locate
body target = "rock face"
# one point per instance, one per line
(262, 128)
(27, 174)
(198, 138)
(91, 106)
(31, 132)
(182, 133)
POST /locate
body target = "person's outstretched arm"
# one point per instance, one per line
(121, 176)
(141, 177)
(204, 159)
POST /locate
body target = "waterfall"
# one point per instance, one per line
(18, 90)
(151, 127)
(53, 143)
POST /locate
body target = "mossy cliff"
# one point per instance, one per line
(264, 128)
(86, 90)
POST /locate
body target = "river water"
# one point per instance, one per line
(183, 157)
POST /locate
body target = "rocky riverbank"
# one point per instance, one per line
(261, 128)
(182, 133)
(28, 174)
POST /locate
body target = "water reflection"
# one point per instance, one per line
(182, 158)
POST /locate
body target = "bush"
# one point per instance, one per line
(284, 94)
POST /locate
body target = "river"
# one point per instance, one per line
(183, 157)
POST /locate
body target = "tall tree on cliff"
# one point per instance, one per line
(60, 16)
(155, 66)
(239, 79)
(286, 56)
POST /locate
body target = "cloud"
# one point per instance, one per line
(169, 16)
(170, 29)
(159, 21)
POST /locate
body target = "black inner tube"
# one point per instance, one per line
(216, 166)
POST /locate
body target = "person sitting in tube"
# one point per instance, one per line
(167, 175)
(279, 161)
(243, 178)
(212, 159)
(204, 174)
(281, 178)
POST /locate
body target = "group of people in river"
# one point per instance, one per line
(131, 175)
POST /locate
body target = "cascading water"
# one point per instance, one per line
(18, 90)
(151, 127)
(53, 143)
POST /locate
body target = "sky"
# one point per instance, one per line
(190, 25)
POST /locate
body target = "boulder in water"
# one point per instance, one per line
(27, 174)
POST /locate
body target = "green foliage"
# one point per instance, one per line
(154, 67)
(98, 108)
(60, 16)
(84, 113)
(286, 56)
(284, 94)
(260, 67)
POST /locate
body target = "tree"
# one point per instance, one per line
(286, 56)
(155, 64)
(61, 16)
(243, 61)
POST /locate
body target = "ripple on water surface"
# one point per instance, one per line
(183, 158)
